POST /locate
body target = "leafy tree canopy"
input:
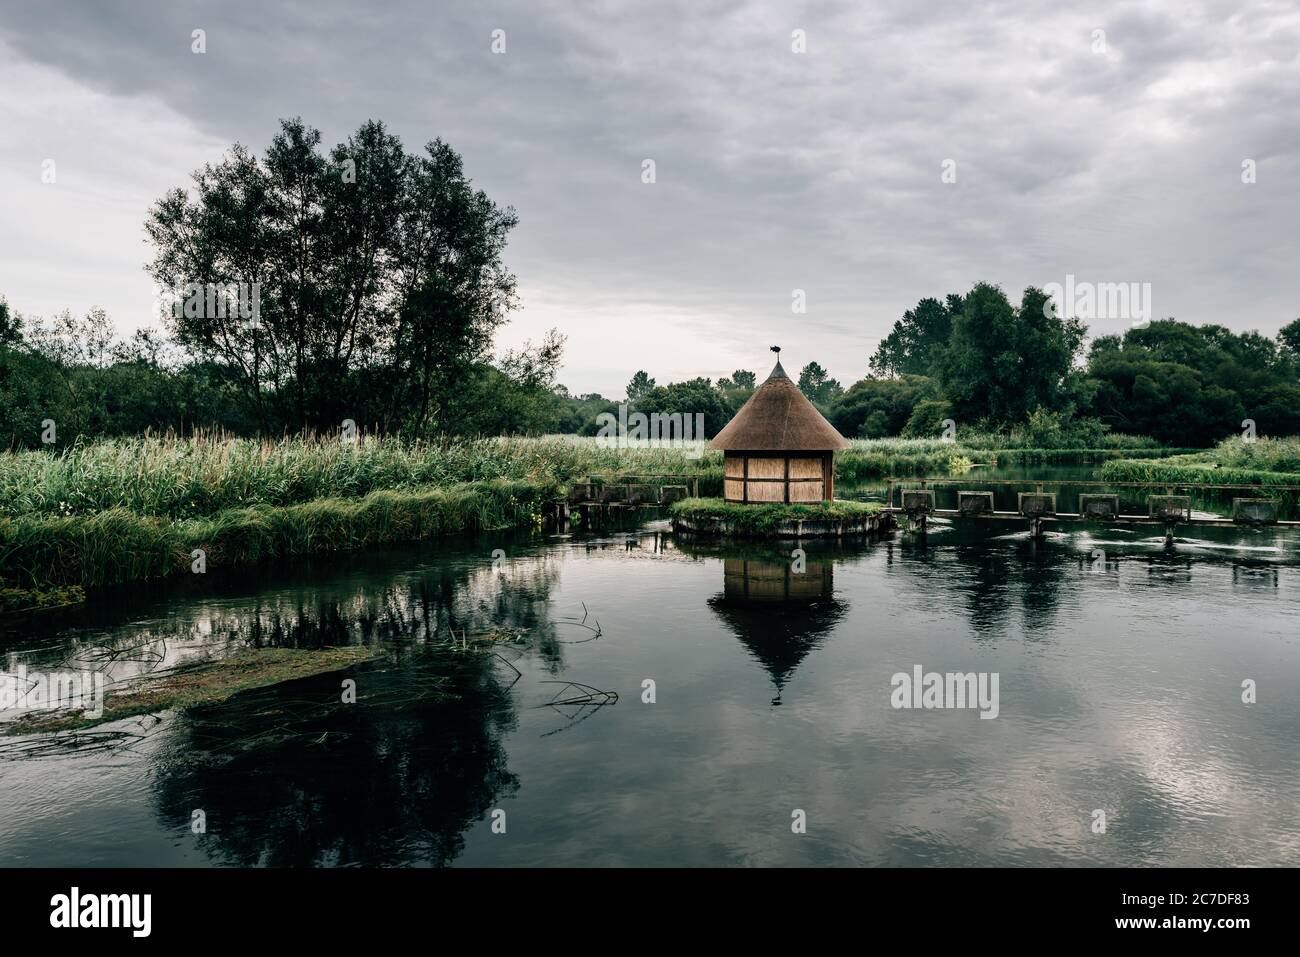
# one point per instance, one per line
(379, 275)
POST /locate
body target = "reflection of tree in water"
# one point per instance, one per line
(779, 614)
(988, 588)
(291, 776)
(995, 576)
(1045, 566)
(455, 601)
(427, 608)
(985, 583)
(1173, 566)
(453, 598)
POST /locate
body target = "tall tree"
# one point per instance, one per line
(639, 386)
(1002, 363)
(10, 328)
(379, 276)
(1288, 340)
(690, 398)
(917, 340)
(874, 408)
(817, 385)
(1194, 384)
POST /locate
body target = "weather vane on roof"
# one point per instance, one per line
(777, 350)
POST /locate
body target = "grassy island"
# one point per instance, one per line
(713, 516)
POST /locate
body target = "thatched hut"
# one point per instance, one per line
(778, 447)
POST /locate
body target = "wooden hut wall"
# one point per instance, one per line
(772, 477)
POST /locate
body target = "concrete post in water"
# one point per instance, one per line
(917, 503)
(1034, 506)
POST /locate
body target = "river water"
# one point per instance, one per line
(1120, 667)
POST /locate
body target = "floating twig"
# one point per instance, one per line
(581, 623)
(511, 665)
(584, 696)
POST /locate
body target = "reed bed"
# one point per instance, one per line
(200, 476)
(192, 477)
(106, 512)
(1235, 461)
(1262, 454)
(876, 458)
(118, 545)
(179, 478)
(1173, 472)
(1023, 439)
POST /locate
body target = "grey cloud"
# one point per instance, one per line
(775, 171)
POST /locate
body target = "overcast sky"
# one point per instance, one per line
(776, 170)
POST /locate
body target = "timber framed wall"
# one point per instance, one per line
(799, 477)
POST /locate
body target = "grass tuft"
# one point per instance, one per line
(760, 519)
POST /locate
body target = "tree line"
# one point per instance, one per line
(989, 365)
(370, 284)
(986, 363)
(304, 288)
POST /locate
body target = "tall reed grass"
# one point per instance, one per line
(1264, 454)
(877, 458)
(118, 545)
(1234, 461)
(1025, 438)
(191, 477)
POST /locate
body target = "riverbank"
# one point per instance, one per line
(107, 512)
(1261, 461)
(200, 476)
(38, 598)
(118, 545)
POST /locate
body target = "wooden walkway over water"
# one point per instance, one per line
(1167, 504)
(912, 501)
(605, 497)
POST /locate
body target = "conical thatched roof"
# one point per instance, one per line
(778, 417)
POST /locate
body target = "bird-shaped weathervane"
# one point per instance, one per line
(777, 350)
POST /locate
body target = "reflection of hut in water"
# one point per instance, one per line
(758, 581)
(778, 447)
(778, 613)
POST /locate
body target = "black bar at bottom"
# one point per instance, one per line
(329, 907)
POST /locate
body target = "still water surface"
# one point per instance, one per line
(1120, 687)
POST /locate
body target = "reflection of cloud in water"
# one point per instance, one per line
(1021, 791)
